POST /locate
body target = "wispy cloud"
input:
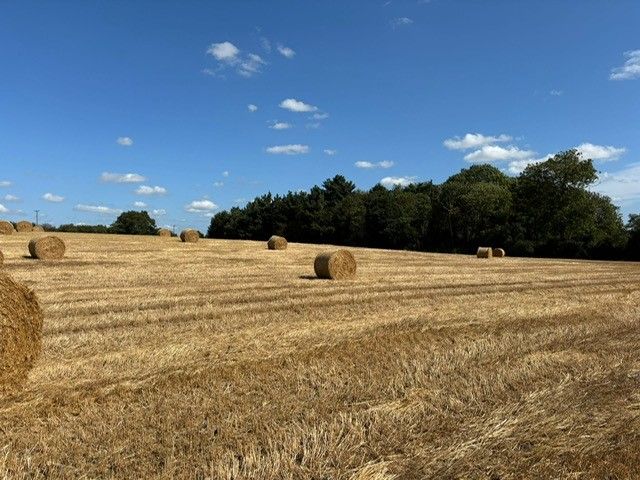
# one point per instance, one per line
(5, 183)
(320, 116)
(286, 51)
(556, 93)
(228, 55)
(218, 184)
(224, 52)
(201, 206)
(296, 149)
(158, 212)
(474, 140)
(225, 173)
(101, 209)
(370, 165)
(50, 197)
(621, 186)
(401, 21)
(330, 151)
(600, 152)
(251, 65)
(3, 209)
(149, 190)
(139, 204)
(280, 125)
(124, 141)
(122, 177)
(11, 198)
(516, 167)
(298, 106)
(252, 108)
(630, 69)
(390, 182)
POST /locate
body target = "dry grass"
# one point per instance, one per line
(226, 361)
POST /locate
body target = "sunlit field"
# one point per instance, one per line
(222, 359)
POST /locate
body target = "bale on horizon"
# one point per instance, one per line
(47, 248)
(499, 252)
(6, 228)
(335, 265)
(24, 226)
(38, 228)
(21, 339)
(277, 243)
(484, 252)
(164, 232)
(189, 235)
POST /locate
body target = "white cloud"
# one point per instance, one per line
(289, 149)
(493, 153)
(3, 209)
(286, 51)
(320, 116)
(390, 182)
(401, 21)
(620, 186)
(158, 212)
(50, 197)
(600, 152)
(224, 52)
(630, 69)
(251, 65)
(314, 125)
(201, 206)
(297, 106)
(225, 173)
(11, 198)
(139, 204)
(218, 184)
(516, 167)
(147, 190)
(122, 177)
(330, 151)
(280, 126)
(368, 165)
(266, 44)
(124, 141)
(473, 140)
(97, 209)
(556, 93)
(252, 108)
(5, 183)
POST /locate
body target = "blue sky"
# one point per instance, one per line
(188, 108)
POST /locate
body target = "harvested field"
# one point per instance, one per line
(226, 361)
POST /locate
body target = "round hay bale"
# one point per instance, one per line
(38, 228)
(47, 248)
(6, 228)
(277, 243)
(164, 232)
(336, 265)
(484, 252)
(189, 235)
(24, 226)
(499, 252)
(21, 333)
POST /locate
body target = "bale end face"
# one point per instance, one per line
(277, 243)
(499, 252)
(335, 265)
(47, 248)
(6, 228)
(21, 327)
(484, 252)
(24, 226)
(189, 236)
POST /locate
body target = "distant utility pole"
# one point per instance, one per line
(173, 228)
(37, 212)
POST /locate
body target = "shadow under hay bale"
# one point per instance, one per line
(24, 226)
(499, 252)
(6, 228)
(189, 236)
(164, 232)
(47, 248)
(21, 338)
(335, 265)
(484, 252)
(277, 243)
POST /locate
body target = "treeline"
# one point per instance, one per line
(548, 210)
